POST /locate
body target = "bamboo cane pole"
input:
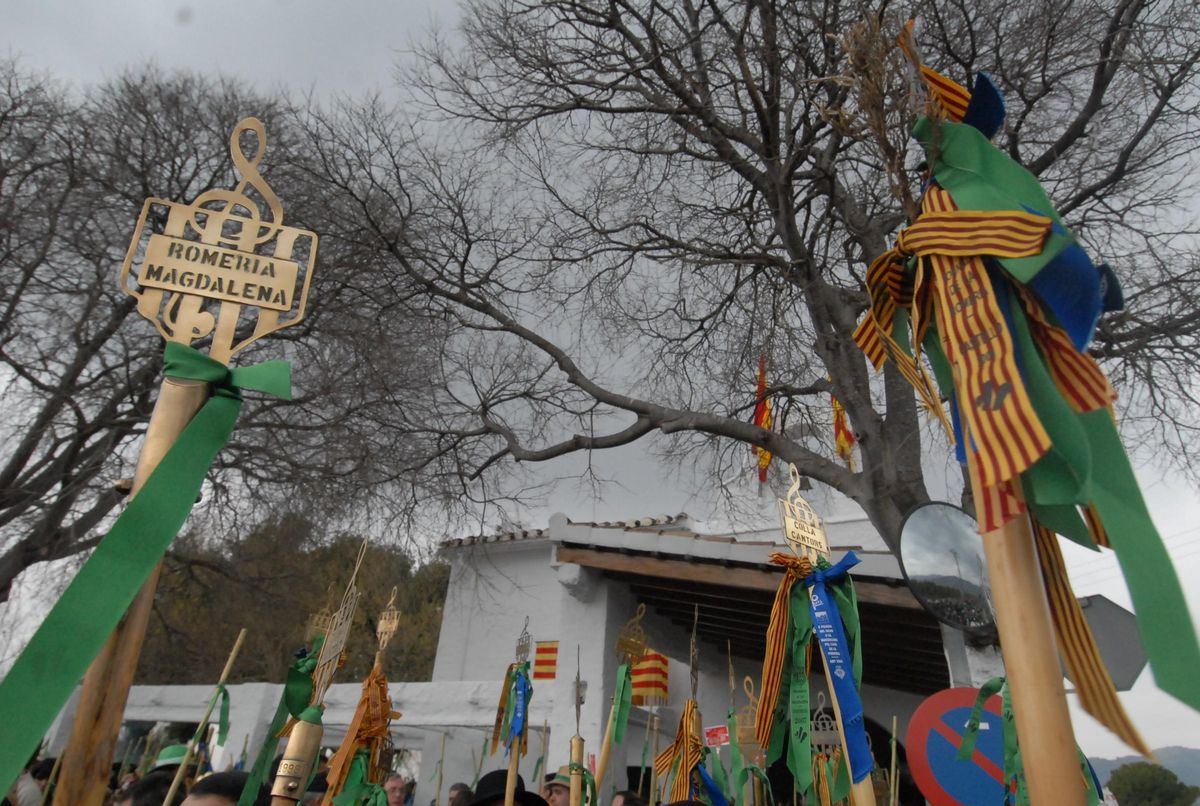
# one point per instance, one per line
(53, 777)
(510, 783)
(298, 755)
(576, 768)
(437, 796)
(1031, 664)
(893, 784)
(606, 745)
(203, 726)
(89, 750)
(653, 795)
(861, 792)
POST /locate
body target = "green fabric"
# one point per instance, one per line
(589, 784)
(622, 702)
(223, 715)
(266, 753)
(756, 771)
(357, 790)
(1107, 480)
(980, 176)
(81, 621)
(717, 770)
(839, 784)
(737, 767)
(799, 716)
(298, 690)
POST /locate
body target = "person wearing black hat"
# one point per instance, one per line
(490, 791)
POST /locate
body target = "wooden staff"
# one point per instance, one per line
(862, 793)
(510, 783)
(437, 796)
(653, 794)
(1048, 753)
(576, 768)
(606, 745)
(98, 716)
(203, 726)
(893, 784)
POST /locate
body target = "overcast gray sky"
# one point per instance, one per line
(351, 47)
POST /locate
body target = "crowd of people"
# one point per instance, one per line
(127, 788)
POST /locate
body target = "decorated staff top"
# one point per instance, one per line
(801, 526)
(389, 621)
(524, 643)
(226, 251)
(339, 629)
(631, 638)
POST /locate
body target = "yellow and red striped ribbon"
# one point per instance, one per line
(1097, 694)
(777, 640)
(948, 97)
(688, 748)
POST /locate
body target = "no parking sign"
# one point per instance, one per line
(934, 735)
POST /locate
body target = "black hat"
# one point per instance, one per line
(491, 788)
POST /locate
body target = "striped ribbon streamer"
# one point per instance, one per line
(946, 95)
(1077, 645)
(687, 749)
(777, 638)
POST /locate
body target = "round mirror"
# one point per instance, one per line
(941, 555)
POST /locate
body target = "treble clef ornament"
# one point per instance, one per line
(225, 253)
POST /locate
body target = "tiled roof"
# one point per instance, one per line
(652, 523)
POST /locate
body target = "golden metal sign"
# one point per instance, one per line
(746, 720)
(801, 527)
(524, 643)
(335, 640)
(631, 638)
(226, 251)
(389, 621)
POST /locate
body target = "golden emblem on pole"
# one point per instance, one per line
(335, 640)
(631, 638)
(801, 526)
(745, 720)
(389, 621)
(226, 251)
(524, 643)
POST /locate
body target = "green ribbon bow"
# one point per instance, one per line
(92, 605)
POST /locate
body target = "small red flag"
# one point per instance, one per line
(762, 418)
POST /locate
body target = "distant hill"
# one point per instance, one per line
(1183, 761)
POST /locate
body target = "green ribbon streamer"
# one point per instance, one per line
(266, 753)
(357, 790)
(755, 771)
(83, 618)
(718, 772)
(791, 715)
(298, 690)
(622, 702)
(737, 767)
(222, 714)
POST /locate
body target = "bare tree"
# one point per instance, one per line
(80, 367)
(627, 201)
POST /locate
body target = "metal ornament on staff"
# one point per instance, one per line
(226, 254)
(304, 740)
(368, 740)
(576, 767)
(630, 647)
(834, 627)
(512, 712)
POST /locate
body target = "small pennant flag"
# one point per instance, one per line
(843, 437)
(545, 660)
(762, 417)
(650, 679)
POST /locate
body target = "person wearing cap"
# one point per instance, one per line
(169, 758)
(490, 791)
(557, 789)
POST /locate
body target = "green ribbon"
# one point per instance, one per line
(266, 753)
(357, 790)
(589, 783)
(298, 690)
(718, 772)
(737, 767)
(222, 714)
(622, 702)
(81, 621)
(755, 771)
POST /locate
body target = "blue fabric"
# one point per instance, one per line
(715, 795)
(827, 626)
(985, 110)
(524, 689)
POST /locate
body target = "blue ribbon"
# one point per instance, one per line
(715, 795)
(523, 690)
(827, 626)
